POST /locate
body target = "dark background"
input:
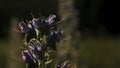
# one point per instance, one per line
(99, 26)
(95, 15)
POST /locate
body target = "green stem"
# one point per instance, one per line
(43, 61)
(26, 66)
(43, 65)
(38, 64)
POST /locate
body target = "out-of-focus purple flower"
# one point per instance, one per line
(55, 35)
(58, 65)
(27, 57)
(35, 45)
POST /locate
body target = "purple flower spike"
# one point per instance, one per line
(23, 27)
(35, 45)
(27, 57)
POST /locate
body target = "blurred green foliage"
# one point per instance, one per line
(101, 52)
(96, 52)
(3, 54)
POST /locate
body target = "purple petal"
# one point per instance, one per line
(50, 19)
(27, 57)
(23, 27)
(34, 45)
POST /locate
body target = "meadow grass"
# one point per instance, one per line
(3, 53)
(101, 52)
